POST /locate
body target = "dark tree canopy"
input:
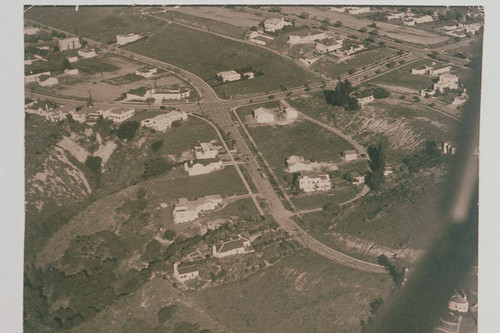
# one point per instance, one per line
(127, 130)
(341, 96)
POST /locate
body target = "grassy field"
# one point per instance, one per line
(100, 23)
(205, 55)
(303, 293)
(393, 219)
(319, 200)
(329, 64)
(302, 138)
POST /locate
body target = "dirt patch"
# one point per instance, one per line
(105, 151)
(74, 149)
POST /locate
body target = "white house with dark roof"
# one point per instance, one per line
(164, 121)
(206, 150)
(71, 43)
(263, 115)
(185, 271)
(187, 211)
(194, 168)
(231, 248)
(231, 75)
(275, 24)
(117, 115)
(313, 183)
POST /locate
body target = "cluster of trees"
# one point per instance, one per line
(341, 96)
(377, 164)
(380, 93)
(127, 130)
(429, 157)
(156, 166)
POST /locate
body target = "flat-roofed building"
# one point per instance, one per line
(71, 43)
(313, 183)
(231, 248)
(117, 115)
(231, 75)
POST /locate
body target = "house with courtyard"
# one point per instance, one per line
(446, 81)
(350, 155)
(356, 178)
(275, 24)
(194, 168)
(164, 121)
(313, 183)
(263, 116)
(87, 53)
(228, 76)
(185, 271)
(206, 150)
(187, 211)
(231, 248)
(71, 43)
(117, 115)
(126, 39)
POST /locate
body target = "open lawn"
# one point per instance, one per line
(330, 66)
(205, 55)
(319, 200)
(100, 23)
(303, 293)
(403, 76)
(301, 138)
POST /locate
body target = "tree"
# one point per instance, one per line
(156, 166)
(166, 313)
(304, 15)
(380, 93)
(157, 145)
(341, 96)
(127, 130)
(337, 24)
(66, 64)
(94, 164)
(377, 164)
(169, 234)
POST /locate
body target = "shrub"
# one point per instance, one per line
(380, 93)
(127, 130)
(94, 164)
(169, 234)
(166, 313)
(156, 166)
(157, 145)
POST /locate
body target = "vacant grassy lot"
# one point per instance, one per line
(330, 66)
(403, 76)
(100, 23)
(302, 293)
(319, 200)
(205, 55)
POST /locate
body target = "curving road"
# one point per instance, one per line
(218, 112)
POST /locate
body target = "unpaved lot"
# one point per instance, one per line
(230, 16)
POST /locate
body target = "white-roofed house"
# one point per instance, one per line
(73, 59)
(71, 43)
(187, 211)
(87, 53)
(117, 115)
(205, 150)
(356, 178)
(164, 121)
(312, 183)
(263, 115)
(231, 248)
(73, 71)
(162, 94)
(194, 168)
(350, 155)
(125, 39)
(231, 75)
(275, 24)
(185, 271)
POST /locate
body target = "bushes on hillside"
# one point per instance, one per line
(341, 96)
(127, 130)
(380, 93)
(94, 164)
(156, 166)
(166, 313)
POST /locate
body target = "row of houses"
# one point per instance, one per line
(351, 10)
(191, 270)
(158, 94)
(60, 113)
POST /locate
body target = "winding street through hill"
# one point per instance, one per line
(217, 111)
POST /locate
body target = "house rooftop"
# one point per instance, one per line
(230, 245)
